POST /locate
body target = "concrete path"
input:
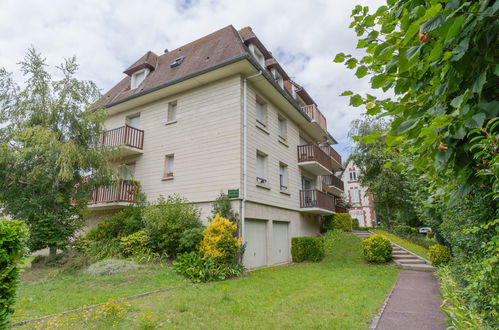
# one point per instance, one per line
(413, 304)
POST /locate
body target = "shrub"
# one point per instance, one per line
(377, 249)
(191, 239)
(430, 235)
(439, 254)
(364, 228)
(222, 207)
(198, 269)
(404, 230)
(123, 223)
(111, 266)
(339, 221)
(219, 243)
(355, 224)
(13, 237)
(166, 220)
(103, 249)
(307, 249)
(69, 260)
(135, 244)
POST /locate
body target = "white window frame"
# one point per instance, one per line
(283, 177)
(135, 80)
(353, 175)
(130, 118)
(283, 131)
(264, 111)
(355, 193)
(261, 169)
(278, 77)
(257, 54)
(169, 166)
(171, 116)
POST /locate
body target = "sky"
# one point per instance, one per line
(108, 36)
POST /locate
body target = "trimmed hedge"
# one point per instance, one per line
(307, 249)
(355, 223)
(339, 221)
(377, 249)
(439, 254)
(13, 236)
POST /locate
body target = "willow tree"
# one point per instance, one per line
(49, 156)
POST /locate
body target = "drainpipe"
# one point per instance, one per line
(245, 150)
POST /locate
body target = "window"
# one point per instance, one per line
(261, 113)
(278, 78)
(168, 170)
(128, 171)
(257, 54)
(283, 127)
(283, 176)
(353, 175)
(355, 196)
(261, 168)
(138, 77)
(133, 121)
(172, 112)
(177, 61)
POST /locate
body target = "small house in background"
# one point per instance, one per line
(360, 200)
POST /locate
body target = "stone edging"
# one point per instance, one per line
(139, 295)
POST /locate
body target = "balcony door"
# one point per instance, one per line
(134, 121)
(128, 172)
(308, 193)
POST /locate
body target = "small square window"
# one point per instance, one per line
(261, 113)
(168, 168)
(353, 175)
(172, 112)
(283, 127)
(283, 176)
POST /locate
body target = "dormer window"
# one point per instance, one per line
(278, 78)
(257, 54)
(138, 77)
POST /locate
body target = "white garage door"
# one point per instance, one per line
(255, 233)
(280, 242)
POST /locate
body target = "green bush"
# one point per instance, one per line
(69, 260)
(377, 249)
(123, 223)
(190, 239)
(404, 230)
(430, 235)
(364, 228)
(13, 237)
(135, 244)
(111, 266)
(338, 221)
(439, 254)
(307, 249)
(195, 268)
(166, 220)
(355, 224)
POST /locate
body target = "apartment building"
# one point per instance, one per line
(358, 196)
(220, 114)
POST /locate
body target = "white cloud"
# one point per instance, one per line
(107, 36)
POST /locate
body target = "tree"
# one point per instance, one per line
(390, 185)
(49, 156)
(222, 207)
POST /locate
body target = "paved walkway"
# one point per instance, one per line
(413, 303)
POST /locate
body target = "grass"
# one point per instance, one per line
(414, 248)
(343, 292)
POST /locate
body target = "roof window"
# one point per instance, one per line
(177, 62)
(138, 77)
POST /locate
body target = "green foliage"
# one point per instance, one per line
(219, 243)
(136, 244)
(48, 140)
(355, 223)
(458, 314)
(111, 266)
(307, 249)
(69, 261)
(338, 221)
(430, 235)
(198, 269)
(166, 220)
(191, 238)
(223, 207)
(123, 223)
(13, 236)
(439, 254)
(377, 249)
(365, 228)
(403, 230)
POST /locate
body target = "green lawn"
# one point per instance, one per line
(414, 248)
(343, 292)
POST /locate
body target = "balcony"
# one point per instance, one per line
(315, 116)
(119, 195)
(316, 202)
(312, 159)
(128, 139)
(333, 183)
(335, 156)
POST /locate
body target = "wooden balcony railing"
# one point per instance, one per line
(332, 153)
(317, 199)
(312, 152)
(315, 115)
(124, 136)
(333, 181)
(123, 191)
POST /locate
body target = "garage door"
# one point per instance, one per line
(280, 242)
(255, 233)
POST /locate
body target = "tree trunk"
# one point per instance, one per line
(52, 251)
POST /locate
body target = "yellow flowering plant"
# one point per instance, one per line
(219, 243)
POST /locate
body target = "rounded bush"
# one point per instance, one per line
(439, 254)
(377, 249)
(307, 249)
(219, 243)
(430, 235)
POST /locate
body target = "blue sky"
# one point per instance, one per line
(107, 36)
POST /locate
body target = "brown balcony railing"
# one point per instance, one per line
(332, 153)
(124, 136)
(315, 115)
(312, 152)
(332, 181)
(124, 191)
(317, 199)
